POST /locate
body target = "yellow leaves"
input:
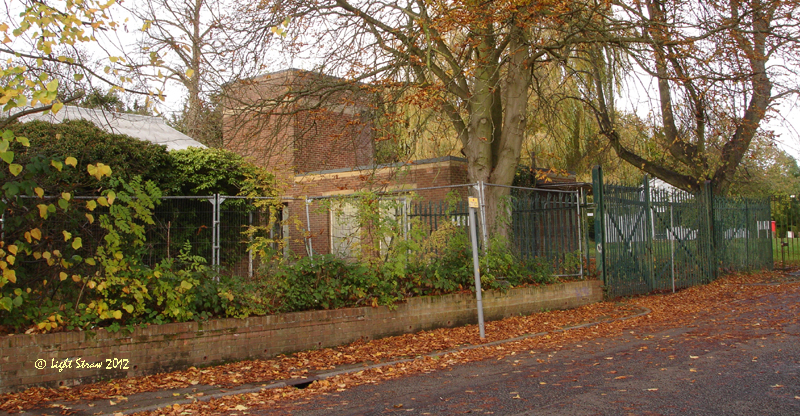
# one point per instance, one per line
(36, 233)
(91, 205)
(62, 276)
(71, 161)
(52, 86)
(189, 73)
(90, 218)
(42, 211)
(77, 243)
(39, 192)
(15, 169)
(11, 259)
(66, 196)
(76, 278)
(12, 249)
(117, 314)
(56, 164)
(50, 323)
(10, 275)
(99, 170)
(67, 235)
(92, 284)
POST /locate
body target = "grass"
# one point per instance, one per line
(790, 253)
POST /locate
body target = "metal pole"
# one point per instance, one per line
(579, 224)
(217, 224)
(308, 228)
(599, 218)
(482, 196)
(249, 249)
(473, 202)
(213, 201)
(672, 243)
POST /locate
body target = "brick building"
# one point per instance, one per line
(315, 132)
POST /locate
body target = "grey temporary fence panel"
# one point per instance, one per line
(355, 229)
(182, 224)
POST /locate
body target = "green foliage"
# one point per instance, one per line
(89, 144)
(192, 171)
(209, 171)
(387, 263)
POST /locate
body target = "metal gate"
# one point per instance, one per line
(665, 239)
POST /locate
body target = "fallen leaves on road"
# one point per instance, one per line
(672, 309)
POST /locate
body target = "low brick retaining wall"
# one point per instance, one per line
(70, 358)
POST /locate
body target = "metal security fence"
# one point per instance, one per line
(785, 228)
(546, 225)
(212, 227)
(545, 229)
(665, 239)
(742, 233)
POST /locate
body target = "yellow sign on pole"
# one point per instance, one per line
(473, 202)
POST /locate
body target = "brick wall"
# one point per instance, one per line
(298, 121)
(160, 348)
(331, 138)
(422, 174)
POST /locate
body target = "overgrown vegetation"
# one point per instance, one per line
(90, 267)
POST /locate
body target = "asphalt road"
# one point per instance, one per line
(743, 359)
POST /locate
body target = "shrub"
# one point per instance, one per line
(88, 144)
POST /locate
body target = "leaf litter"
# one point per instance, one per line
(665, 310)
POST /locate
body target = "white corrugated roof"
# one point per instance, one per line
(146, 128)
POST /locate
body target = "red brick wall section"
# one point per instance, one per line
(331, 139)
(413, 177)
(161, 348)
(298, 121)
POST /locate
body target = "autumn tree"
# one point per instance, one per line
(41, 45)
(473, 62)
(200, 46)
(715, 69)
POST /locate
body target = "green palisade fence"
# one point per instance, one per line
(786, 241)
(666, 239)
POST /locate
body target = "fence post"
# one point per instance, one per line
(579, 225)
(308, 229)
(599, 221)
(217, 224)
(708, 216)
(213, 199)
(649, 233)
